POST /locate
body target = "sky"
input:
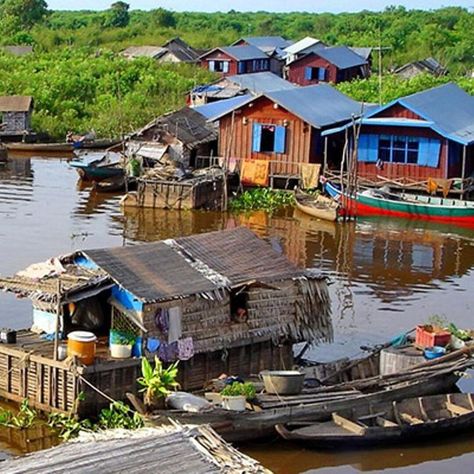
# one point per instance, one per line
(334, 6)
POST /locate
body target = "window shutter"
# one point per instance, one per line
(321, 74)
(307, 73)
(241, 67)
(368, 148)
(212, 66)
(428, 152)
(280, 139)
(257, 137)
(225, 66)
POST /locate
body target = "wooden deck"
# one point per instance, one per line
(28, 370)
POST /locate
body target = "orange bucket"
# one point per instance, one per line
(82, 345)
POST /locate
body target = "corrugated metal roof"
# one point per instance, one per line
(18, 50)
(260, 82)
(144, 51)
(448, 107)
(267, 43)
(244, 53)
(362, 52)
(341, 56)
(160, 271)
(301, 45)
(16, 103)
(222, 107)
(320, 105)
(181, 49)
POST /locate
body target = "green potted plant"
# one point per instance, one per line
(157, 382)
(236, 394)
(121, 344)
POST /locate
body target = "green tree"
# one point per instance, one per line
(25, 13)
(164, 18)
(118, 15)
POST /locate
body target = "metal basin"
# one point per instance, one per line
(282, 382)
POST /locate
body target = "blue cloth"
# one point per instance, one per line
(152, 344)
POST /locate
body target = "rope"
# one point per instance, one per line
(23, 359)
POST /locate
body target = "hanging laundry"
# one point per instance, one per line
(152, 344)
(185, 348)
(162, 321)
(175, 331)
(168, 352)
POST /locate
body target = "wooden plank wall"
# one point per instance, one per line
(236, 136)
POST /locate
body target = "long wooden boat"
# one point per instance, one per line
(387, 422)
(60, 147)
(317, 206)
(317, 404)
(97, 170)
(377, 202)
(115, 184)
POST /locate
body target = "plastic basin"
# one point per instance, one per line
(434, 352)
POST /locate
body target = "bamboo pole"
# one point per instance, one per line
(56, 332)
(463, 170)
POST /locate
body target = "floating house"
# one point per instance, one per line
(15, 116)
(232, 86)
(220, 302)
(425, 136)
(182, 135)
(273, 46)
(232, 60)
(282, 128)
(425, 66)
(334, 64)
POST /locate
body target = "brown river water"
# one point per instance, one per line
(386, 276)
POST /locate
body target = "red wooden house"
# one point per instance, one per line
(232, 60)
(425, 135)
(334, 64)
(283, 127)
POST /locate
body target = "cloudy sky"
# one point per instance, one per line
(252, 5)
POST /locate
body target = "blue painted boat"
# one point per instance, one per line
(97, 170)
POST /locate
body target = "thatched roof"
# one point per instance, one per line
(16, 103)
(188, 126)
(198, 264)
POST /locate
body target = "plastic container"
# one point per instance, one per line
(434, 352)
(426, 336)
(120, 351)
(283, 382)
(233, 403)
(81, 344)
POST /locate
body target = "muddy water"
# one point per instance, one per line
(386, 276)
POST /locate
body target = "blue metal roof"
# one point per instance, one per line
(448, 107)
(217, 109)
(244, 53)
(267, 42)
(341, 56)
(320, 105)
(260, 82)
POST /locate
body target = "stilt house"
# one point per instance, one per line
(427, 135)
(15, 115)
(221, 302)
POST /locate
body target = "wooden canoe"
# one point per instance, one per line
(317, 206)
(115, 184)
(375, 202)
(387, 422)
(97, 170)
(317, 404)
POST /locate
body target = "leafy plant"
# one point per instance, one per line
(262, 198)
(122, 338)
(25, 417)
(157, 382)
(68, 426)
(236, 389)
(438, 321)
(119, 415)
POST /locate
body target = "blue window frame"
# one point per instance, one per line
(399, 149)
(268, 138)
(315, 73)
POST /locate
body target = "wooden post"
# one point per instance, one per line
(58, 315)
(325, 162)
(463, 170)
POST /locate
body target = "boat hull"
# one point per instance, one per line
(324, 211)
(89, 172)
(365, 205)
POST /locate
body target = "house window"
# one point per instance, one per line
(268, 138)
(316, 74)
(399, 149)
(219, 66)
(239, 306)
